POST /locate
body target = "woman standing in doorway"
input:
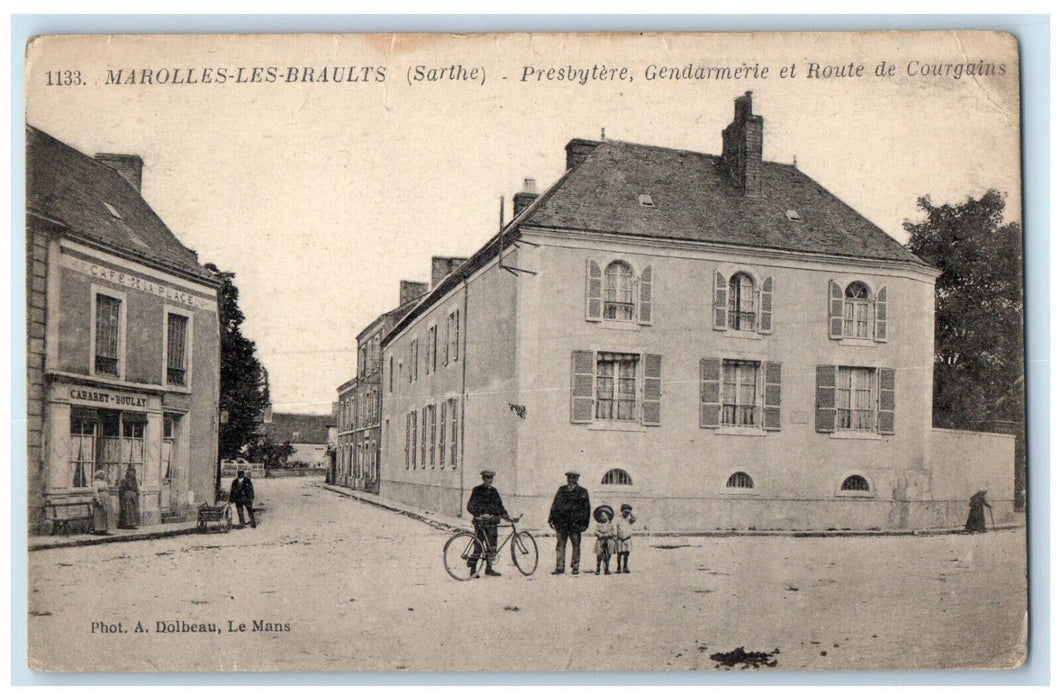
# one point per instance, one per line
(129, 497)
(100, 495)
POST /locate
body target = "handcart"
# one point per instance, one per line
(219, 515)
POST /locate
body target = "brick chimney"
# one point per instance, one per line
(742, 147)
(412, 290)
(578, 150)
(442, 267)
(130, 167)
(522, 200)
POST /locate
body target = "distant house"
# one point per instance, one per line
(307, 433)
(123, 348)
(715, 339)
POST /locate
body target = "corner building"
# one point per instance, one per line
(717, 340)
(123, 344)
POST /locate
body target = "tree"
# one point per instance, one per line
(244, 392)
(979, 362)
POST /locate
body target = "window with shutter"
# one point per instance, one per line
(766, 306)
(836, 311)
(710, 392)
(772, 397)
(825, 403)
(721, 301)
(886, 401)
(593, 291)
(880, 328)
(582, 378)
(644, 307)
(652, 390)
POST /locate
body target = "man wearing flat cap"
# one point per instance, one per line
(487, 510)
(569, 516)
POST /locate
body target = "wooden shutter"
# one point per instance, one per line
(593, 291)
(582, 378)
(644, 306)
(766, 306)
(880, 328)
(710, 391)
(886, 401)
(836, 311)
(651, 390)
(721, 301)
(825, 415)
(772, 397)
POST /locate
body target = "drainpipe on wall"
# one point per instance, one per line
(464, 392)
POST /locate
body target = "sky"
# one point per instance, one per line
(323, 196)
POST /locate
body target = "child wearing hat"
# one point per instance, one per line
(605, 532)
(624, 529)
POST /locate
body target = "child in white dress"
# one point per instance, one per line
(624, 530)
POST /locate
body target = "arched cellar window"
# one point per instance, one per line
(740, 480)
(617, 477)
(855, 483)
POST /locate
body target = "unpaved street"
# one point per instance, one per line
(334, 584)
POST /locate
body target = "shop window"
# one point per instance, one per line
(84, 430)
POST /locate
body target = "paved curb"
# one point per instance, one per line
(108, 539)
(437, 524)
(449, 527)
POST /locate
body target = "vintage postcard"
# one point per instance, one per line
(525, 352)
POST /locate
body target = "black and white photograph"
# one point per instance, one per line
(525, 352)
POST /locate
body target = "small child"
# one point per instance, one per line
(624, 529)
(605, 532)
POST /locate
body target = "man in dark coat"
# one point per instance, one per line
(569, 516)
(487, 510)
(241, 494)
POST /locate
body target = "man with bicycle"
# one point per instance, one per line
(487, 510)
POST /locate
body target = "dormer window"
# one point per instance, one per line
(793, 215)
(645, 200)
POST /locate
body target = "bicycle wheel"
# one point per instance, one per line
(461, 556)
(524, 553)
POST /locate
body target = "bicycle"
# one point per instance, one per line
(464, 553)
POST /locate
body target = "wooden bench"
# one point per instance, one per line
(65, 513)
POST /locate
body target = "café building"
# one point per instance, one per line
(123, 350)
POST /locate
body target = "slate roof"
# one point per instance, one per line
(311, 429)
(78, 192)
(695, 200)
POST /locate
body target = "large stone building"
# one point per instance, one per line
(717, 340)
(361, 399)
(123, 343)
